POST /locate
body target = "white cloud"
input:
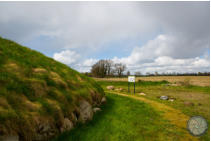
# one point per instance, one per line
(181, 42)
(89, 62)
(162, 55)
(67, 57)
(168, 64)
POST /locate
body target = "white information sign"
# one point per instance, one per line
(131, 78)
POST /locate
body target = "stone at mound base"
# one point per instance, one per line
(45, 131)
(96, 109)
(110, 87)
(103, 100)
(164, 97)
(67, 125)
(85, 110)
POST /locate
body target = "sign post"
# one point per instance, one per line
(131, 79)
(134, 87)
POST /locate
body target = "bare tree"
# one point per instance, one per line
(156, 73)
(109, 64)
(128, 73)
(148, 73)
(138, 73)
(102, 68)
(119, 68)
(98, 69)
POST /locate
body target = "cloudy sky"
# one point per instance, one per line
(146, 36)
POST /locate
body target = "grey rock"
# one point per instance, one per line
(96, 109)
(45, 131)
(85, 110)
(44, 127)
(171, 99)
(103, 100)
(110, 87)
(67, 125)
(164, 97)
(142, 94)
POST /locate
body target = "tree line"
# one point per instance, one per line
(107, 68)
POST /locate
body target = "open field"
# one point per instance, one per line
(194, 80)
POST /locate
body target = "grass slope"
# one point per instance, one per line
(124, 119)
(33, 86)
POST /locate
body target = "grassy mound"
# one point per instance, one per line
(35, 88)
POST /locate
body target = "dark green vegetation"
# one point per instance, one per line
(125, 119)
(191, 100)
(35, 87)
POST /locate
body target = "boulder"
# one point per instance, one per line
(67, 125)
(110, 87)
(164, 97)
(142, 94)
(85, 110)
(96, 109)
(103, 100)
(171, 99)
(45, 131)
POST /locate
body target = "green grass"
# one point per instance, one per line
(198, 95)
(123, 119)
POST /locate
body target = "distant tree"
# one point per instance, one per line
(148, 73)
(108, 65)
(128, 73)
(99, 69)
(156, 73)
(119, 68)
(102, 68)
(138, 73)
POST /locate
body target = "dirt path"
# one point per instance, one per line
(175, 116)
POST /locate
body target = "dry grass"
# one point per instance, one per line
(56, 77)
(39, 70)
(194, 80)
